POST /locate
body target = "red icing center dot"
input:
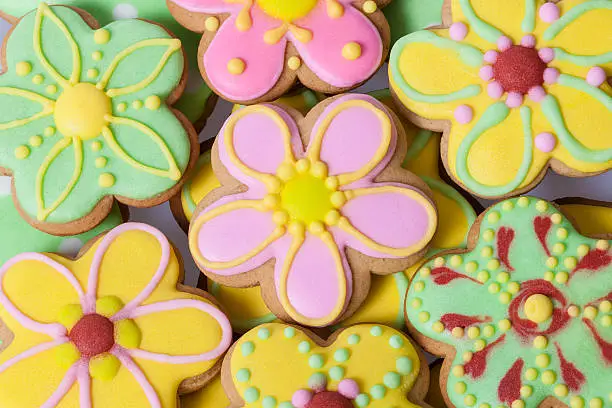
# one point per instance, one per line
(329, 399)
(518, 69)
(92, 335)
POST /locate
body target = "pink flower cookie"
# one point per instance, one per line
(310, 206)
(254, 50)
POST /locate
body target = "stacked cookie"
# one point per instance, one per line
(338, 234)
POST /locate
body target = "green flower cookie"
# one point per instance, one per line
(193, 102)
(84, 114)
(524, 315)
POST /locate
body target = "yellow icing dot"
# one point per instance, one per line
(467, 356)
(549, 276)
(457, 332)
(122, 107)
(439, 261)
(518, 404)
(493, 264)
(211, 24)
(104, 367)
(338, 199)
(153, 102)
(479, 344)
(603, 245)
(369, 7)
(108, 306)
(458, 371)
(590, 312)
(538, 308)
(596, 403)
(526, 391)
(556, 218)
(23, 68)
(488, 235)
(505, 298)
(297, 228)
(488, 330)
(573, 311)
(494, 288)
(36, 141)
(514, 287)
(49, 131)
(606, 321)
(22, 152)
(473, 332)
(127, 334)
(508, 206)
(236, 66)
(332, 217)
(438, 327)
(101, 162)
(66, 355)
(582, 250)
(469, 400)
(456, 260)
(92, 73)
(493, 217)
(503, 277)
(576, 402)
(483, 276)
(549, 377)
(96, 55)
(102, 36)
(484, 405)
(423, 317)
(471, 267)
(523, 202)
(287, 11)
(558, 248)
(562, 233)
(351, 51)
(486, 252)
(425, 272)
(531, 374)
(605, 306)
(540, 342)
(541, 206)
(316, 228)
(51, 89)
(294, 63)
(504, 324)
(286, 171)
(38, 79)
(137, 104)
(334, 9)
(460, 388)
(570, 262)
(416, 303)
(543, 360)
(561, 390)
(319, 170)
(82, 111)
(280, 217)
(562, 277)
(106, 180)
(69, 315)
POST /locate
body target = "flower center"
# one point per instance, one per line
(329, 399)
(306, 198)
(93, 335)
(538, 308)
(287, 10)
(81, 111)
(518, 69)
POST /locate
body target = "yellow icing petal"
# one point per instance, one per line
(66, 355)
(47, 107)
(104, 367)
(70, 315)
(127, 334)
(173, 172)
(108, 306)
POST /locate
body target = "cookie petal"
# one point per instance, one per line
(328, 53)
(8, 93)
(388, 220)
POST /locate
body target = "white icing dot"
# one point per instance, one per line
(5, 185)
(124, 10)
(70, 247)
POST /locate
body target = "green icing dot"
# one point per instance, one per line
(289, 332)
(263, 334)
(378, 391)
(285, 405)
(247, 348)
(362, 400)
(317, 381)
(392, 380)
(243, 375)
(404, 365)
(304, 347)
(396, 341)
(268, 402)
(336, 373)
(342, 355)
(354, 339)
(251, 394)
(376, 331)
(316, 361)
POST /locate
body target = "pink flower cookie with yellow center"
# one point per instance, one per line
(310, 206)
(516, 85)
(254, 50)
(115, 332)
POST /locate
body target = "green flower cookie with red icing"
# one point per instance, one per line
(524, 315)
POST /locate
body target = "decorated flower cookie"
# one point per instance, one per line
(196, 102)
(116, 331)
(255, 50)
(277, 365)
(524, 316)
(408, 16)
(85, 117)
(516, 85)
(310, 206)
(593, 218)
(17, 236)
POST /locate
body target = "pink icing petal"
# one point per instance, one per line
(301, 398)
(546, 54)
(537, 94)
(31, 352)
(596, 76)
(491, 56)
(353, 137)
(263, 62)
(458, 31)
(495, 90)
(514, 100)
(139, 376)
(486, 73)
(551, 75)
(207, 6)
(323, 54)
(528, 41)
(348, 388)
(503, 43)
(464, 114)
(545, 142)
(84, 381)
(549, 12)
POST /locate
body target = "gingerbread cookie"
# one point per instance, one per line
(86, 119)
(197, 101)
(99, 341)
(408, 16)
(277, 365)
(17, 236)
(310, 206)
(517, 86)
(524, 317)
(254, 51)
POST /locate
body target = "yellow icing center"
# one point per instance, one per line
(306, 198)
(538, 308)
(287, 10)
(82, 111)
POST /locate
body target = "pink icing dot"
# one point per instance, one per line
(528, 41)
(464, 114)
(549, 12)
(514, 100)
(537, 94)
(596, 76)
(348, 388)
(458, 31)
(301, 398)
(545, 142)
(486, 73)
(546, 54)
(491, 56)
(495, 90)
(503, 43)
(551, 75)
